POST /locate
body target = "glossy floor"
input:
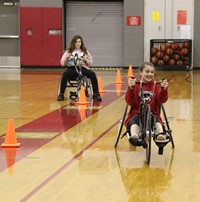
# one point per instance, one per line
(67, 151)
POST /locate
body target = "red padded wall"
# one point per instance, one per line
(31, 52)
(52, 44)
(40, 48)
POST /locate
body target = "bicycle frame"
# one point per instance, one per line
(145, 121)
(147, 124)
(81, 79)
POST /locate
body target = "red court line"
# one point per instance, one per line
(69, 162)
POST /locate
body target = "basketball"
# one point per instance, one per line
(180, 46)
(172, 46)
(167, 45)
(172, 62)
(179, 62)
(160, 62)
(166, 58)
(154, 50)
(176, 57)
(163, 48)
(169, 51)
(186, 45)
(154, 60)
(159, 55)
(184, 51)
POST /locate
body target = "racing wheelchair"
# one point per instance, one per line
(79, 80)
(147, 129)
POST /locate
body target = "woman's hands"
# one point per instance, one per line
(68, 55)
(85, 58)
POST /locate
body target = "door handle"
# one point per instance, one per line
(9, 37)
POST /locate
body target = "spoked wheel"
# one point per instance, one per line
(148, 135)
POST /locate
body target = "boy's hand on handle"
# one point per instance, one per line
(164, 84)
(131, 82)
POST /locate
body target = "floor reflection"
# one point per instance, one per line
(145, 183)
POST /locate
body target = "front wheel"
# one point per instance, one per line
(148, 135)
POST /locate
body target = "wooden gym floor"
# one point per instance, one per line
(67, 152)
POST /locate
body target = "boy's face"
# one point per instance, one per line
(147, 74)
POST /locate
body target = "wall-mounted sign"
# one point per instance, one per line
(155, 16)
(181, 17)
(133, 20)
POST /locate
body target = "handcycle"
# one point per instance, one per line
(79, 80)
(147, 122)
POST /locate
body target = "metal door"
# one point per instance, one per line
(101, 25)
(9, 33)
(154, 23)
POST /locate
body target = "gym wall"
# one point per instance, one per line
(133, 36)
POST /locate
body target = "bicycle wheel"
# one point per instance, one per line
(148, 134)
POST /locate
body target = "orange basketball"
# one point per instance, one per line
(172, 62)
(159, 55)
(176, 57)
(186, 45)
(154, 50)
(169, 51)
(160, 62)
(179, 62)
(167, 45)
(180, 46)
(172, 46)
(154, 60)
(176, 46)
(163, 48)
(184, 51)
(166, 58)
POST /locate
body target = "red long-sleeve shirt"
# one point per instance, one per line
(132, 98)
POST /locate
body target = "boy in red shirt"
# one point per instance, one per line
(160, 95)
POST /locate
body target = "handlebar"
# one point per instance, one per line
(157, 82)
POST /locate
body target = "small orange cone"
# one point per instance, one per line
(10, 158)
(10, 138)
(100, 85)
(82, 110)
(82, 98)
(118, 89)
(118, 77)
(130, 72)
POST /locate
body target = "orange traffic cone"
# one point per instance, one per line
(100, 85)
(82, 98)
(10, 138)
(82, 110)
(118, 77)
(118, 89)
(10, 158)
(130, 72)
